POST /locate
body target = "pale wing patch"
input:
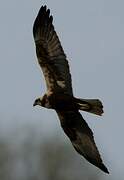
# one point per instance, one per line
(61, 84)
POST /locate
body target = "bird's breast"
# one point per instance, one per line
(62, 102)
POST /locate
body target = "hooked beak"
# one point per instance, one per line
(34, 104)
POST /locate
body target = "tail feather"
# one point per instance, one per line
(91, 105)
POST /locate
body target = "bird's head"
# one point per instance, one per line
(38, 101)
(42, 101)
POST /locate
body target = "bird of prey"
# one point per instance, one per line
(59, 95)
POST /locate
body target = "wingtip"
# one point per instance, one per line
(104, 168)
(43, 15)
(44, 9)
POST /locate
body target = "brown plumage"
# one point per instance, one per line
(59, 96)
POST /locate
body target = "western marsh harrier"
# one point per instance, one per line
(59, 95)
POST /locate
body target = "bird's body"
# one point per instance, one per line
(59, 95)
(60, 102)
(66, 102)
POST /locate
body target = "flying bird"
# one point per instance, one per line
(59, 95)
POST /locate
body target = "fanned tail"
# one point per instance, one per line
(90, 105)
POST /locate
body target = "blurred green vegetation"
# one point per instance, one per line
(26, 156)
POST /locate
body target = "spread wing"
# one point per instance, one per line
(50, 54)
(81, 137)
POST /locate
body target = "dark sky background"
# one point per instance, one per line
(92, 34)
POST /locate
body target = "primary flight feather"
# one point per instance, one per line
(59, 95)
